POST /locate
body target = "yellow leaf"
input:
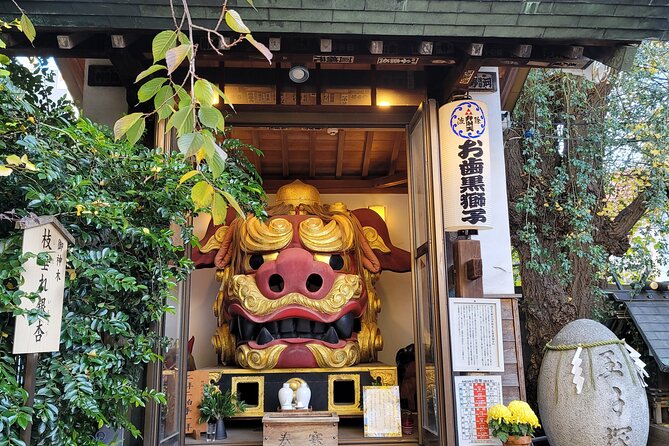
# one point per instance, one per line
(28, 28)
(5, 171)
(146, 231)
(202, 194)
(219, 209)
(235, 22)
(188, 176)
(27, 163)
(13, 160)
(234, 204)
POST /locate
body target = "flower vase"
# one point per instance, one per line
(286, 397)
(221, 433)
(525, 440)
(303, 396)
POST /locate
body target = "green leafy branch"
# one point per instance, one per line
(189, 106)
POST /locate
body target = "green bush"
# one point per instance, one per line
(121, 203)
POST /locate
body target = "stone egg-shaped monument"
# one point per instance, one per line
(611, 408)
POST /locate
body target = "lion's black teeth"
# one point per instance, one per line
(264, 337)
(247, 329)
(331, 336)
(303, 326)
(286, 326)
(273, 328)
(344, 325)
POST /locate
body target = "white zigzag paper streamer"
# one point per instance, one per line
(577, 371)
(638, 364)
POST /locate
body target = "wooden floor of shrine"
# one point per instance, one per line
(249, 433)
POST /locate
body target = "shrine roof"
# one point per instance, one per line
(565, 20)
(650, 312)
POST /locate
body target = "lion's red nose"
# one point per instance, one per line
(295, 271)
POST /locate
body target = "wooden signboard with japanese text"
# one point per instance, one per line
(300, 428)
(47, 280)
(195, 383)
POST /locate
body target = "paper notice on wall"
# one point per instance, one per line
(476, 334)
(474, 395)
(381, 406)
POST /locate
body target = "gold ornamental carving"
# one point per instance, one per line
(386, 376)
(224, 344)
(251, 411)
(335, 357)
(369, 337)
(259, 359)
(335, 236)
(344, 409)
(262, 237)
(374, 239)
(297, 193)
(244, 290)
(216, 240)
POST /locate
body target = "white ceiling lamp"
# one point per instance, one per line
(298, 74)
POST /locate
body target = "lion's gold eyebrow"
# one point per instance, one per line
(336, 236)
(261, 237)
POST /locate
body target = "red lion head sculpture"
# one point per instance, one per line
(297, 290)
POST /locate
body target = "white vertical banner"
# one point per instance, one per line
(465, 165)
(48, 281)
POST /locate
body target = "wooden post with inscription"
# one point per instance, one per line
(195, 383)
(45, 278)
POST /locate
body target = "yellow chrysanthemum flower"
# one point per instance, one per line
(498, 412)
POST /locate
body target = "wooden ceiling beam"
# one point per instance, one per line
(342, 185)
(367, 153)
(284, 153)
(341, 137)
(390, 181)
(312, 154)
(396, 151)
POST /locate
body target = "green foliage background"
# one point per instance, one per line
(120, 202)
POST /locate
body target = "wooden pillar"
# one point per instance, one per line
(468, 268)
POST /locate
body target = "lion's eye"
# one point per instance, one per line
(256, 261)
(336, 262)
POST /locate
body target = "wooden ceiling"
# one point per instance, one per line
(335, 160)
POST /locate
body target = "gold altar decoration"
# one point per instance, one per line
(262, 237)
(335, 357)
(244, 290)
(259, 359)
(387, 376)
(259, 409)
(349, 408)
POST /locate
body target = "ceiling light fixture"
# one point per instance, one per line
(298, 74)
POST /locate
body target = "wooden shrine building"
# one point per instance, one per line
(362, 127)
